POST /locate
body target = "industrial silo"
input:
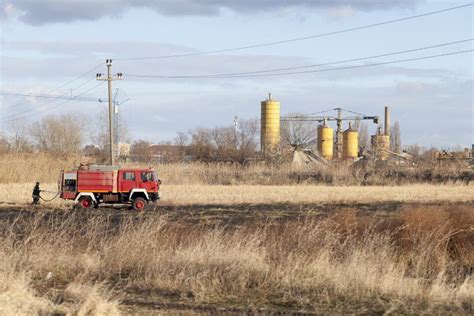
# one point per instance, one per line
(350, 143)
(325, 141)
(381, 141)
(270, 126)
(381, 145)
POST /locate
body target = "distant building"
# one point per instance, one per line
(164, 153)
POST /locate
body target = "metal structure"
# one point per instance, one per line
(109, 80)
(270, 126)
(339, 118)
(350, 143)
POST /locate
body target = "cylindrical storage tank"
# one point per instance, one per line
(270, 126)
(380, 144)
(350, 144)
(325, 141)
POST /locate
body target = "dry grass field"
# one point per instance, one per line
(418, 260)
(43, 168)
(199, 194)
(236, 240)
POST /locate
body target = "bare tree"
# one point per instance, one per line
(363, 132)
(225, 142)
(200, 143)
(4, 145)
(59, 134)
(18, 137)
(248, 132)
(141, 150)
(364, 138)
(182, 140)
(298, 133)
(395, 138)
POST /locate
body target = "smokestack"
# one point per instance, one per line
(387, 121)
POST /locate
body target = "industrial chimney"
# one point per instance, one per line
(387, 121)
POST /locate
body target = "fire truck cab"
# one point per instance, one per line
(90, 186)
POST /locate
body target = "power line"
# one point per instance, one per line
(324, 64)
(77, 78)
(16, 117)
(298, 38)
(358, 66)
(66, 83)
(298, 72)
(46, 96)
(49, 101)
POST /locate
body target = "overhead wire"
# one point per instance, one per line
(357, 66)
(344, 61)
(244, 75)
(77, 78)
(49, 101)
(17, 117)
(46, 96)
(64, 84)
(298, 38)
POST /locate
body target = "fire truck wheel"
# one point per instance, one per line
(139, 204)
(85, 202)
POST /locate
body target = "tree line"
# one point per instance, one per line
(66, 135)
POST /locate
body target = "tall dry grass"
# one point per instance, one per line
(18, 295)
(45, 168)
(410, 263)
(199, 194)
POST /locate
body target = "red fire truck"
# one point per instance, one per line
(90, 186)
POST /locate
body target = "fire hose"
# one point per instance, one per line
(46, 200)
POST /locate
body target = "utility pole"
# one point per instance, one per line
(109, 80)
(236, 130)
(339, 133)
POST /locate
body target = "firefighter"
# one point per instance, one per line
(36, 194)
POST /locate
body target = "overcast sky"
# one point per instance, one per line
(45, 44)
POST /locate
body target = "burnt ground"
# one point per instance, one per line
(137, 302)
(211, 214)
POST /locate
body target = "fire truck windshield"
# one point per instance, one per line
(147, 176)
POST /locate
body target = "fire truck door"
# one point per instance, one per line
(127, 180)
(147, 181)
(69, 185)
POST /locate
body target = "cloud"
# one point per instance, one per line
(342, 11)
(75, 57)
(36, 12)
(421, 98)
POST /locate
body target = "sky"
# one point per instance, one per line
(46, 45)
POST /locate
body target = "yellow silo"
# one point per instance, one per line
(350, 143)
(270, 126)
(325, 141)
